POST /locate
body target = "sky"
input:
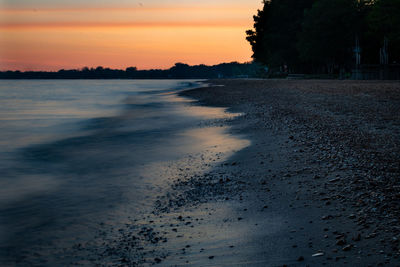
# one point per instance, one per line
(70, 34)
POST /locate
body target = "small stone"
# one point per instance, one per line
(326, 217)
(347, 248)
(341, 242)
(301, 258)
(357, 238)
(319, 254)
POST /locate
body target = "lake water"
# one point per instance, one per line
(79, 155)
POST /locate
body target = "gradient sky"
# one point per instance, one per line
(50, 35)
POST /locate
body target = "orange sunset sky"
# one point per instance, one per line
(50, 35)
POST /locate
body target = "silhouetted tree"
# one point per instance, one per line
(276, 27)
(258, 37)
(320, 35)
(384, 22)
(131, 72)
(328, 33)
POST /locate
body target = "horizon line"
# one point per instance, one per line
(124, 69)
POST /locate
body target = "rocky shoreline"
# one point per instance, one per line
(318, 185)
(344, 144)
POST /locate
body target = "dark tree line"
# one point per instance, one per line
(179, 71)
(320, 36)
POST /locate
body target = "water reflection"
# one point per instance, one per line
(60, 181)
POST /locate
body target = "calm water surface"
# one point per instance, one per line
(78, 154)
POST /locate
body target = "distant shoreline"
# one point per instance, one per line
(178, 71)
